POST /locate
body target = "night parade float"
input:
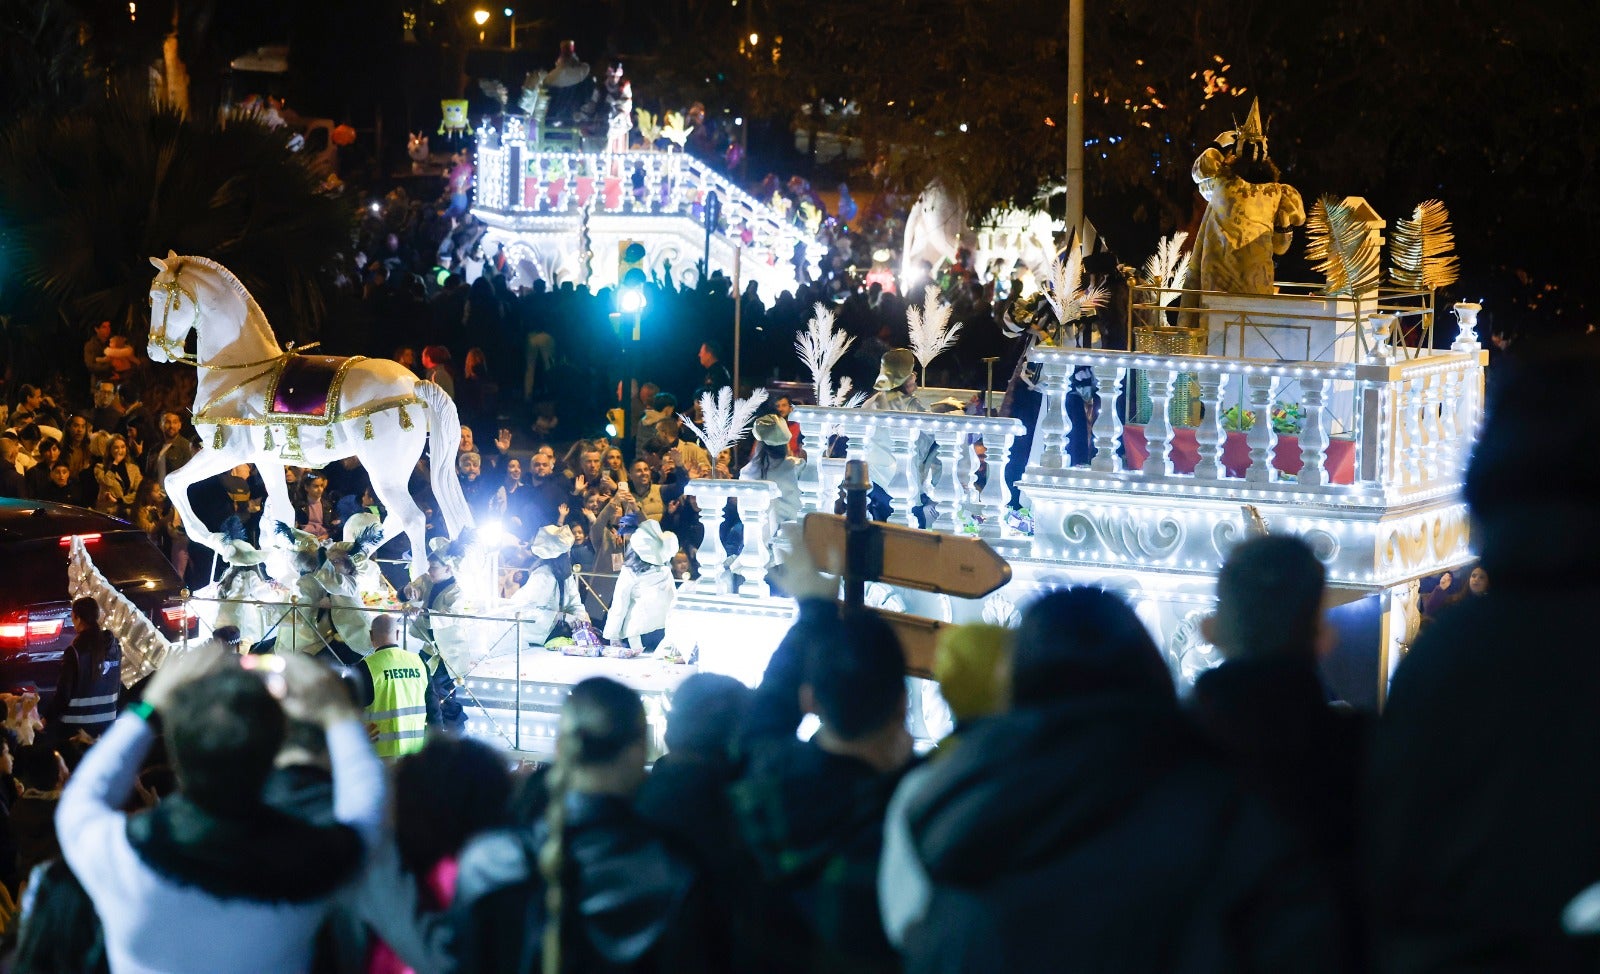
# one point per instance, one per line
(558, 184)
(1243, 406)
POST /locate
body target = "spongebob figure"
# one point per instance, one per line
(455, 117)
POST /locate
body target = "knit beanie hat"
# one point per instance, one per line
(966, 662)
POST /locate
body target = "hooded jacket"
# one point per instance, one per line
(1483, 798)
(1109, 804)
(632, 901)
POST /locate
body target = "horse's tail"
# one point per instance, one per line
(444, 439)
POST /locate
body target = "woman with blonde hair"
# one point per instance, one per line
(594, 887)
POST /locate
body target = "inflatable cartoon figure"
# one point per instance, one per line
(455, 117)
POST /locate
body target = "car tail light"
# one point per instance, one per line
(19, 629)
(66, 539)
(14, 630)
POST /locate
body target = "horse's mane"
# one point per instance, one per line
(253, 313)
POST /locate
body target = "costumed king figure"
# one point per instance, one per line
(551, 593)
(645, 590)
(1249, 213)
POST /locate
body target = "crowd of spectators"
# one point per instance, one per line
(1082, 815)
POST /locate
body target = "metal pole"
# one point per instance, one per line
(1075, 95)
(738, 305)
(516, 728)
(857, 533)
(988, 384)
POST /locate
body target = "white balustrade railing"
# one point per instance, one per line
(1411, 424)
(516, 180)
(952, 437)
(753, 499)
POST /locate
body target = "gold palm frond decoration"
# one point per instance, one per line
(1341, 249)
(649, 125)
(1420, 250)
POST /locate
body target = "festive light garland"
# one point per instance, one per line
(144, 648)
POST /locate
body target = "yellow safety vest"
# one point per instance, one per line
(398, 708)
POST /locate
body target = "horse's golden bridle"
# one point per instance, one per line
(175, 295)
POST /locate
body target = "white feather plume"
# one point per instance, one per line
(821, 346)
(932, 334)
(1063, 288)
(1168, 266)
(726, 419)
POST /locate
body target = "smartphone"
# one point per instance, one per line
(271, 669)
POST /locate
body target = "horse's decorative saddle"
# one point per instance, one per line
(308, 386)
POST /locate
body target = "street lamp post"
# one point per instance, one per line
(630, 302)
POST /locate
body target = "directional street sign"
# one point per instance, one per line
(917, 639)
(928, 561)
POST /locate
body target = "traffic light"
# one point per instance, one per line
(630, 264)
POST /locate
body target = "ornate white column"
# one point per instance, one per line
(995, 495)
(754, 499)
(711, 494)
(947, 492)
(1208, 436)
(1430, 426)
(1262, 438)
(1158, 432)
(1411, 425)
(1313, 432)
(1107, 428)
(904, 487)
(1052, 429)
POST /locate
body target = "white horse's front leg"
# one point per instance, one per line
(206, 463)
(279, 506)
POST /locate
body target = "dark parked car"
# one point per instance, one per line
(35, 605)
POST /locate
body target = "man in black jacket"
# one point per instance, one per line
(813, 812)
(1483, 801)
(1266, 709)
(1090, 830)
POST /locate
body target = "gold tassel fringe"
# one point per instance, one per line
(405, 419)
(366, 429)
(266, 439)
(327, 438)
(216, 437)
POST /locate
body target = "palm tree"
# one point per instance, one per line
(86, 196)
(41, 59)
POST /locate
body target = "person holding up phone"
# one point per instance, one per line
(215, 853)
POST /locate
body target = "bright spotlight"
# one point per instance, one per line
(509, 12)
(631, 301)
(611, 429)
(376, 207)
(754, 39)
(493, 534)
(480, 17)
(882, 255)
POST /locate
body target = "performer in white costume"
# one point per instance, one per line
(896, 392)
(645, 590)
(772, 462)
(551, 593)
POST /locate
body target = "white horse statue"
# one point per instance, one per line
(257, 403)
